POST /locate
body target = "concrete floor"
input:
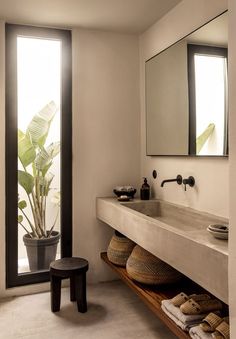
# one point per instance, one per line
(114, 312)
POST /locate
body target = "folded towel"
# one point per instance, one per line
(185, 322)
(197, 333)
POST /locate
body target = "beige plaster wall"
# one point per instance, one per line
(212, 190)
(106, 133)
(106, 139)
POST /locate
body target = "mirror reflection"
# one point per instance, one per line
(187, 97)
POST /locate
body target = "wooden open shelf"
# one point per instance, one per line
(152, 295)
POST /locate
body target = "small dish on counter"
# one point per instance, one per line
(219, 231)
(219, 228)
(124, 193)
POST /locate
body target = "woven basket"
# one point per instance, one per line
(119, 249)
(145, 268)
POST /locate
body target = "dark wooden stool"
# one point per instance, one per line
(75, 269)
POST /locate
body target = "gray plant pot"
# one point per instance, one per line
(41, 252)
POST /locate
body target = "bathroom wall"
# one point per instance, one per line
(211, 193)
(106, 139)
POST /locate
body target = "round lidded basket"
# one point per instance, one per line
(119, 249)
(145, 268)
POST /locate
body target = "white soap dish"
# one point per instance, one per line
(219, 231)
(223, 228)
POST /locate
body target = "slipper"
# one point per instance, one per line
(192, 307)
(210, 322)
(222, 331)
(181, 298)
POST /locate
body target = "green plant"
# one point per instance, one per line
(204, 136)
(35, 178)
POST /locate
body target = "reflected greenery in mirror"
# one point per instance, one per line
(186, 94)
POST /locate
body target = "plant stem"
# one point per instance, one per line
(38, 203)
(34, 216)
(35, 219)
(26, 230)
(30, 223)
(50, 232)
(32, 207)
(39, 228)
(38, 196)
(44, 209)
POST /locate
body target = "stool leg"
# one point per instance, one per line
(72, 288)
(55, 293)
(80, 283)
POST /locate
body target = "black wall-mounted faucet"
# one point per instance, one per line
(189, 181)
(178, 179)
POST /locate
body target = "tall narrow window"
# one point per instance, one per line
(208, 99)
(38, 151)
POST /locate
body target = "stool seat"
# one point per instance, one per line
(75, 269)
(69, 265)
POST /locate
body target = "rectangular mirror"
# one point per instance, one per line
(187, 94)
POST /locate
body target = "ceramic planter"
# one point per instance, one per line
(41, 252)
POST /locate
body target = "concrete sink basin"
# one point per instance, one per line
(183, 219)
(175, 234)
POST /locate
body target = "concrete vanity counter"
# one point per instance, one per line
(175, 234)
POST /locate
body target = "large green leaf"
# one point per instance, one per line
(44, 183)
(53, 149)
(22, 204)
(203, 137)
(20, 218)
(26, 151)
(44, 158)
(26, 181)
(39, 126)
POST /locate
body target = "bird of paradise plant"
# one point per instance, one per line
(35, 177)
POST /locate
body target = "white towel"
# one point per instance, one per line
(185, 322)
(197, 333)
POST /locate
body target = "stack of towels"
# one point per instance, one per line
(212, 326)
(189, 311)
(184, 321)
(197, 333)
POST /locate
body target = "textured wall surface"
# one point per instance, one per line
(106, 138)
(211, 193)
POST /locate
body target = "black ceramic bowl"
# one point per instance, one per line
(129, 193)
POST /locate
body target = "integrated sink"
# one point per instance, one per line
(151, 208)
(179, 217)
(175, 234)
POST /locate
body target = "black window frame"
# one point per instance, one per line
(14, 279)
(206, 50)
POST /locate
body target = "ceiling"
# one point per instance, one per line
(130, 16)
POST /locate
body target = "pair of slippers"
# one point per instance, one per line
(219, 327)
(196, 303)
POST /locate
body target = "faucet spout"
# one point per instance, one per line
(178, 179)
